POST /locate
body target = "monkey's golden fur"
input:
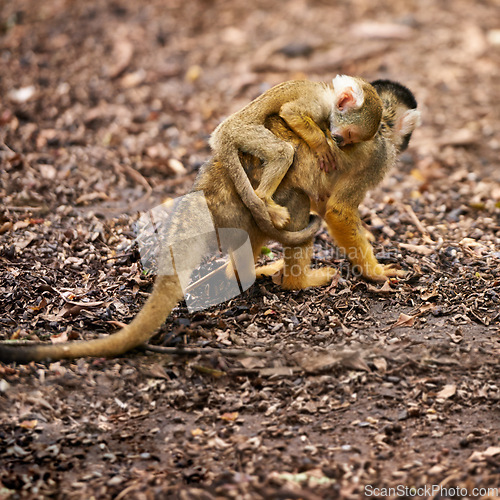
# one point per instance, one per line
(350, 105)
(335, 196)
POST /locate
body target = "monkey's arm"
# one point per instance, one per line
(306, 128)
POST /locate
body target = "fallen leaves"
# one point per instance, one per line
(230, 417)
(123, 50)
(480, 456)
(318, 362)
(446, 392)
(418, 249)
(404, 320)
(28, 424)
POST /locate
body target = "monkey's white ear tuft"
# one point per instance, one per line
(348, 92)
(409, 121)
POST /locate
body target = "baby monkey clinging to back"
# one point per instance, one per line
(350, 105)
(335, 196)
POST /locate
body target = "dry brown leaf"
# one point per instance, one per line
(492, 451)
(419, 249)
(382, 31)
(280, 370)
(404, 320)
(6, 226)
(24, 241)
(176, 167)
(252, 363)
(425, 308)
(319, 362)
(380, 364)
(28, 424)
(383, 290)
(96, 195)
(122, 52)
(59, 339)
(157, 371)
(40, 306)
(230, 417)
(479, 456)
(447, 391)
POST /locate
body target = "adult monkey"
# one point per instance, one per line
(334, 195)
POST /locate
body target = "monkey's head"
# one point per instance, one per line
(401, 115)
(357, 110)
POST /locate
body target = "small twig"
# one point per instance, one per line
(195, 351)
(76, 302)
(138, 177)
(418, 224)
(24, 209)
(206, 277)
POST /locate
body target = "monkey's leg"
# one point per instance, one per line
(277, 157)
(297, 273)
(346, 229)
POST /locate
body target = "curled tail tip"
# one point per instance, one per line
(302, 236)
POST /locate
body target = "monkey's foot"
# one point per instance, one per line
(368, 234)
(269, 269)
(280, 216)
(311, 277)
(382, 272)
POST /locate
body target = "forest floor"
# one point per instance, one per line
(359, 390)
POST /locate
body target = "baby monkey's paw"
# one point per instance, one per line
(324, 153)
(280, 216)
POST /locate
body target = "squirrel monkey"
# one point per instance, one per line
(334, 195)
(350, 107)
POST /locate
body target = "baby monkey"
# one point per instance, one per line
(351, 107)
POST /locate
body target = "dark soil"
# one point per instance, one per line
(338, 392)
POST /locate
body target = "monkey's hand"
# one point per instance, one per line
(305, 127)
(324, 153)
(326, 161)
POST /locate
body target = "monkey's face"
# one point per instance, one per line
(349, 134)
(356, 111)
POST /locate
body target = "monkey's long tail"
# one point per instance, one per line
(259, 210)
(166, 293)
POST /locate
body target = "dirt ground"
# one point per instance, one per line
(349, 391)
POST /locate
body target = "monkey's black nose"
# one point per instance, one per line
(338, 139)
